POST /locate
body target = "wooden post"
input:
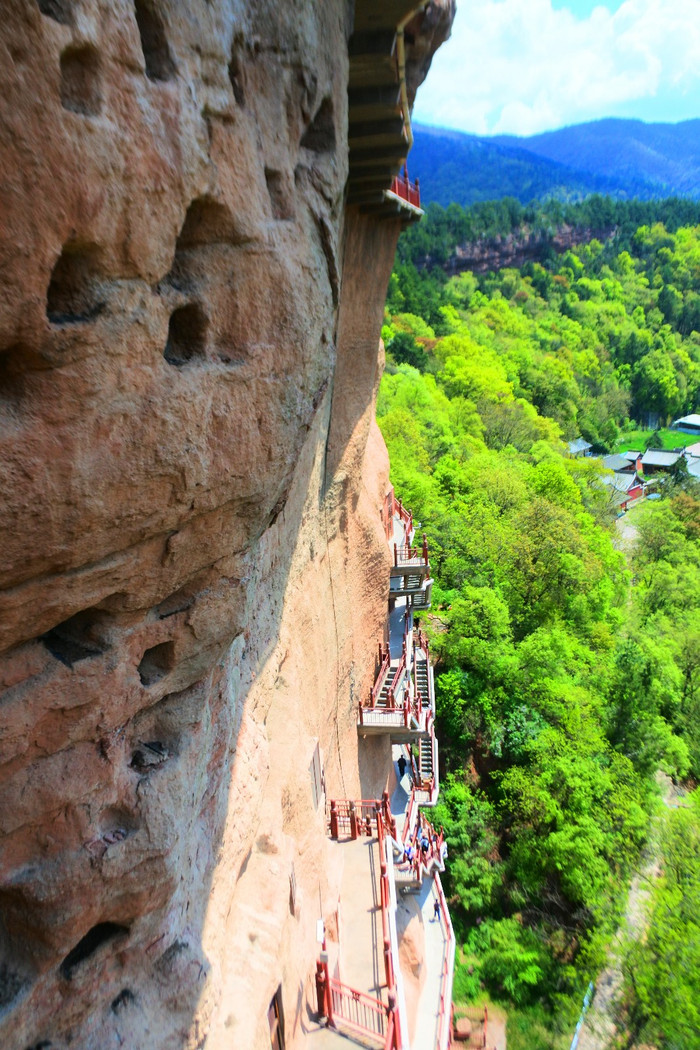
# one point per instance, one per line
(388, 964)
(334, 820)
(322, 996)
(396, 555)
(425, 548)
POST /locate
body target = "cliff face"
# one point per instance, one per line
(516, 249)
(193, 566)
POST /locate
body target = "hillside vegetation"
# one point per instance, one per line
(588, 338)
(562, 686)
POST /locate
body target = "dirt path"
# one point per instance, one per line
(599, 1028)
(627, 529)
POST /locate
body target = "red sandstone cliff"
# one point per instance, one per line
(193, 569)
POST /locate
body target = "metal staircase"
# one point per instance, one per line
(426, 767)
(391, 682)
(421, 679)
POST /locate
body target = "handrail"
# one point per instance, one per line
(362, 1012)
(404, 553)
(421, 642)
(407, 830)
(351, 818)
(447, 974)
(385, 664)
(405, 518)
(385, 897)
(396, 680)
(408, 191)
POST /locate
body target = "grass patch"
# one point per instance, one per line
(531, 1029)
(641, 439)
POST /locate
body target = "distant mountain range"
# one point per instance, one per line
(623, 158)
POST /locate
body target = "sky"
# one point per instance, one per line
(524, 66)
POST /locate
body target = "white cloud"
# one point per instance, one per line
(519, 66)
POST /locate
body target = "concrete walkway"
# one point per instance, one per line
(397, 623)
(402, 792)
(361, 964)
(435, 942)
(321, 1037)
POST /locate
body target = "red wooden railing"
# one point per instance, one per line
(398, 674)
(414, 710)
(411, 706)
(384, 894)
(384, 665)
(361, 1012)
(446, 975)
(403, 554)
(348, 818)
(408, 822)
(409, 191)
(405, 517)
(420, 641)
(352, 818)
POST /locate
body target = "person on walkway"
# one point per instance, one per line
(436, 910)
(402, 766)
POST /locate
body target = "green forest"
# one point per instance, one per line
(568, 664)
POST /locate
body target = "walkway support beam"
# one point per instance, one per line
(401, 57)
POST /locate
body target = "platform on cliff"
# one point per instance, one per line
(360, 963)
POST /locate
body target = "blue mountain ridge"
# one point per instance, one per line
(622, 158)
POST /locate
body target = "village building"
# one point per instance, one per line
(579, 447)
(624, 489)
(659, 460)
(622, 463)
(687, 424)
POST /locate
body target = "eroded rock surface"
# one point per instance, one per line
(193, 567)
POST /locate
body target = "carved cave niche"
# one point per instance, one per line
(74, 292)
(96, 938)
(208, 227)
(154, 41)
(81, 90)
(281, 195)
(158, 733)
(81, 637)
(12, 384)
(320, 134)
(236, 73)
(156, 663)
(59, 10)
(187, 336)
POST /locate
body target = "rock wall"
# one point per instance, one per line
(516, 249)
(193, 567)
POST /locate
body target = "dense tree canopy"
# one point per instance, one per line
(567, 673)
